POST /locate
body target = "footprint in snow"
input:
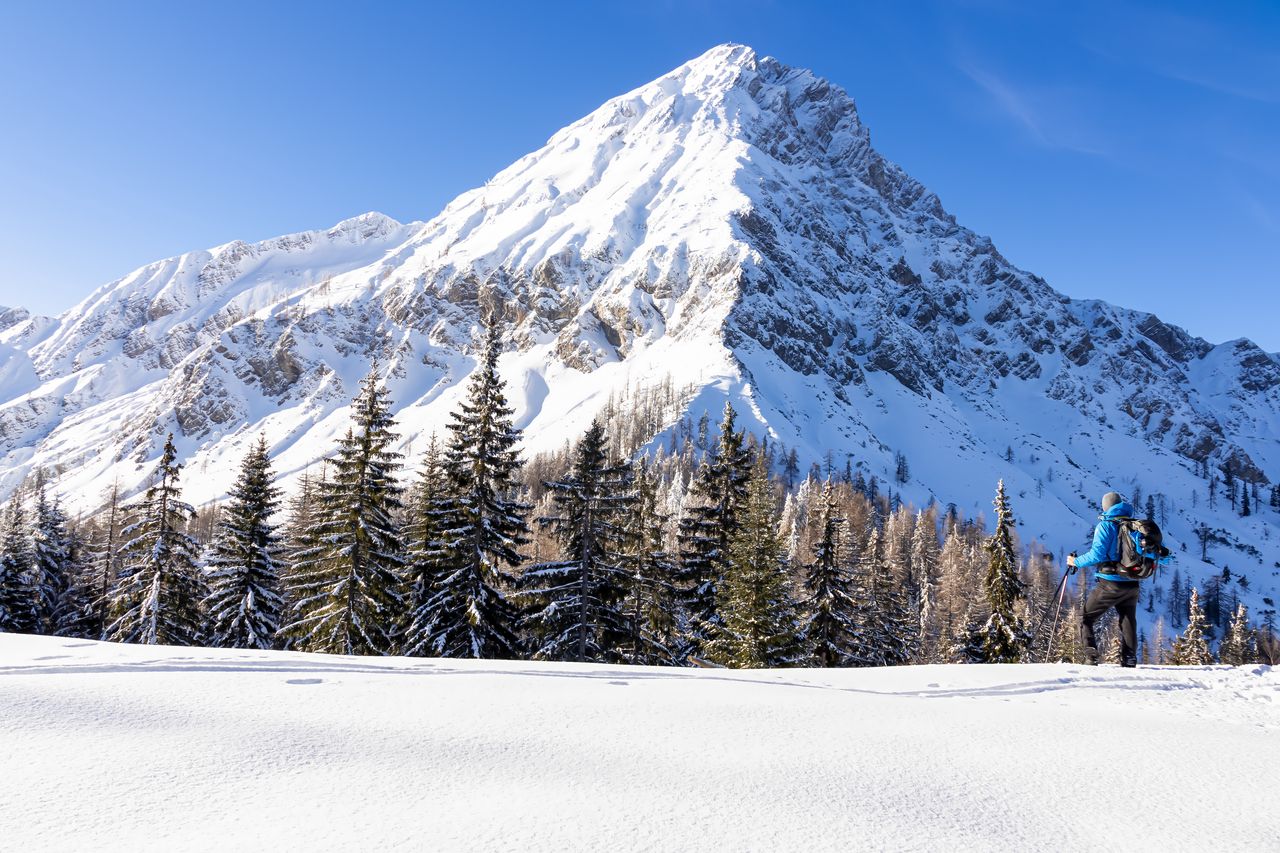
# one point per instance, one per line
(305, 681)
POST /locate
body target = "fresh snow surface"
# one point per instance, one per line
(113, 747)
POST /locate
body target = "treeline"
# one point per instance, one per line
(705, 552)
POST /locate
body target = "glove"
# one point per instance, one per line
(1072, 568)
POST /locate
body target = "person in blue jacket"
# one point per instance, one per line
(1113, 587)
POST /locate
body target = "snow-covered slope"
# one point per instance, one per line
(727, 227)
(111, 747)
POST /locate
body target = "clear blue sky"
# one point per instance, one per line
(1121, 150)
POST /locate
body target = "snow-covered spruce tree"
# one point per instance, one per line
(157, 596)
(711, 520)
(886, 630)
(76, 613)
(470, 613)
(1239, 646)
(61, 601)
(424, 559)
(757, 624)
(243, 564)
(345, 590)
(50, 558)
(650, 600)
(300, 539)
(1191, 648)
(899, 629)
(828, 607)
(1003, 637)
(867, 621)
(17, 599)
(574, 606)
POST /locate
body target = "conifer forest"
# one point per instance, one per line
(711, 550)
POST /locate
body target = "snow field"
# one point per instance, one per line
(113, 747)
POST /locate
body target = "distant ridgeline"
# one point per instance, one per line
(713, 551)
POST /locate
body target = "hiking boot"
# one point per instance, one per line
(1129, 663)
(1090, 657)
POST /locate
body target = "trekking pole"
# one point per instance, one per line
(1062, 586)
(1057, 611)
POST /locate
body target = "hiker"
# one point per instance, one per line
(1113, 588)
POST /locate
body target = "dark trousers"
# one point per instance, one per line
(1123, 596)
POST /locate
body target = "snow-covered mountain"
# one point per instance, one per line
(728, 228)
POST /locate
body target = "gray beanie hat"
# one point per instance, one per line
(1110, 499)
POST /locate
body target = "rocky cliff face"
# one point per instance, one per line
(728, 227)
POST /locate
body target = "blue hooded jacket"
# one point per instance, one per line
(1106, 543)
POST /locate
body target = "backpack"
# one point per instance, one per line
(1141, 547)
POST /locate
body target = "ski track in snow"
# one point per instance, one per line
(113, 747)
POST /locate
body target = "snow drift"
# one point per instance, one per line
(154, 748)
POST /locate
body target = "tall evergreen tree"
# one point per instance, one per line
(650, 600)
(886, 628)
(1003, 638)
(76, 613)
(897, 629)
(52, 582)
(869, 634)
(574, 605)
(791, 467)
(424, 566)
(157, 596)
(829, 611)
(301, 543)
(719, 493)
(482, 524)
(1191, 648)
(757, 624)
(345, 590)
(1240, 645)
(1177, 599)
(243, 565)
(17, 600)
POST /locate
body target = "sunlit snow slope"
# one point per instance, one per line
(728, 228)
(109, 747)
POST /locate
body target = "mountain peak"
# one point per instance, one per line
(722, 61)
(366, 225)
(726, 230)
